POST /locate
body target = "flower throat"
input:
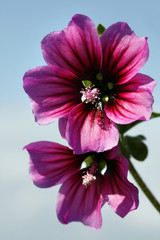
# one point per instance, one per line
(96, 94)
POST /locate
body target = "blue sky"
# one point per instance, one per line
(26, 211)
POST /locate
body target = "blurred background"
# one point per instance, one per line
(27, 212)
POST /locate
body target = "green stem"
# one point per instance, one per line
(143, 186)
(124, 151)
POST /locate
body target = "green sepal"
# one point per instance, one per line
(100, 29)
(136, 147)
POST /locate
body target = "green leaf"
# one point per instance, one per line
(137, 147)
(141, 137)
(100, 29)
(155, 115)
(124, 148)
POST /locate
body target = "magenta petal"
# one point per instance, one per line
(53, 92)
(124, 54)
(89, 130)
(51, 163)
(76, 48)
(133, 102)
(77, 203)
(139, 81)
(121, 195)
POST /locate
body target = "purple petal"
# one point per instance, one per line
(133, 102)
(124, 54)
(51, 163)
(112, 153)
(53, 92)
(76, 48)
(121, 195)
(62, 124)
(89, 130)
(77, 203)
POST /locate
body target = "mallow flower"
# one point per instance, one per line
(91, 81)
(85, 187)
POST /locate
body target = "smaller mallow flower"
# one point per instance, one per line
(84, 190)
(91, 81)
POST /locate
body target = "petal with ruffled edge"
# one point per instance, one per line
(121, 195)
(124, 54)
(53, 92)
(89, 130)
(77, 203)
(76, 48)
(133, 101)
(51, 163)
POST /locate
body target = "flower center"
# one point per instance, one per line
(90, 95)
(96, 164)
(99, 93)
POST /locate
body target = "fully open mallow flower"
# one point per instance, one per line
(85, 189)
(91, 81)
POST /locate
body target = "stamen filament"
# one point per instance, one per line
(99, 76)
(105, 98)
(110, 85)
